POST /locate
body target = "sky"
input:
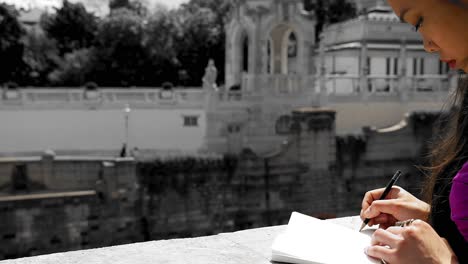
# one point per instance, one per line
(92, 5)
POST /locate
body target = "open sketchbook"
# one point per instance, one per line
(308, 240)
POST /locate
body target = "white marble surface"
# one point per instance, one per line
(249, 246)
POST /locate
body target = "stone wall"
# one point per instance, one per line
(51, 204)
(368, 161)
(55, 204)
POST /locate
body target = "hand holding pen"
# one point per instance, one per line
(384, 195)
(397, 205)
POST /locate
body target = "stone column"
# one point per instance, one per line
(321, 73)
(364, 72)
(315, 134)
(315, 143)
(403, 79)
(109, 179)
(47, 169)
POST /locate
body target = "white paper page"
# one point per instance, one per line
(316, 241)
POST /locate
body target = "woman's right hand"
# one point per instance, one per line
(399, 205)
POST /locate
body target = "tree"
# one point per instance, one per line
(41, 57)
(120, 52)
(116, 4)
(72, 27)
(12, 65)
(203, 37)
(135, 6)
(73, 68)
(329, 12)
(161, 36)
(340, 10)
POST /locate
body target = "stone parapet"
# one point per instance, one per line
(249, 246)
(72, 98)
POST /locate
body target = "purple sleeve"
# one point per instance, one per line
(459, 201)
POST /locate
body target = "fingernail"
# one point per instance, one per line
(365, 250)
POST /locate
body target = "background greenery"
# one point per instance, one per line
(132, 46)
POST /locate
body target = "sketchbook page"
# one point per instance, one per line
(310, 240)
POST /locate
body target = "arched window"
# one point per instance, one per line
(292, 45)
(285, 50)
(245, 54)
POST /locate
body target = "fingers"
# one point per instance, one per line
(375, 195)
(386, 238)
(396, 230)
(381, 219)
(380, 252)
(378, 207)
(371, 196)
(384, 243)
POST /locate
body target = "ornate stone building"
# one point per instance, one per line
(269, 72)
(371, 69)
(265, 37)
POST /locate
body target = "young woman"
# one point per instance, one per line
(440, 233)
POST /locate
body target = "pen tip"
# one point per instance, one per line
(362, 226)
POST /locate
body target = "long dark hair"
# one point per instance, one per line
(450, 146)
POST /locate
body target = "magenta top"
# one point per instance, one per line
(459, 200)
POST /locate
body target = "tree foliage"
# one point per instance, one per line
(195, 46)
(134, 45)
(120, 49)
(41, 56)
(329, 12)
(162, 34)
(204, 27)
(136, 6)
(72, 27)
(11, 47)
(72, 69)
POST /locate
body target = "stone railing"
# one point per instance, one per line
(383, 85)
(429, 83)
(342, 84)
(249, 246)
(277, 83)
(101, 97)
(230, 96)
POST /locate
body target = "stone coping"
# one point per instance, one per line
(48, 195)
(249, 246)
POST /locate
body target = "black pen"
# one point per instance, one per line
(384, 194)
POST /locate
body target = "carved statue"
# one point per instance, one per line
(211, 74)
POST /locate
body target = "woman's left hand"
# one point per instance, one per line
(416, 243)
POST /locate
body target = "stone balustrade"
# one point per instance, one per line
(249, 246)
(108, 97)
(409, 87)
(277, 83)
(392, 88)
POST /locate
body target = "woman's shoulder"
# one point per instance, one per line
(462, 175)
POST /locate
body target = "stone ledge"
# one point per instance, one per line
(249, 246)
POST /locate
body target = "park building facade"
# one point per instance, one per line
(375, 52)
(371, 70)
